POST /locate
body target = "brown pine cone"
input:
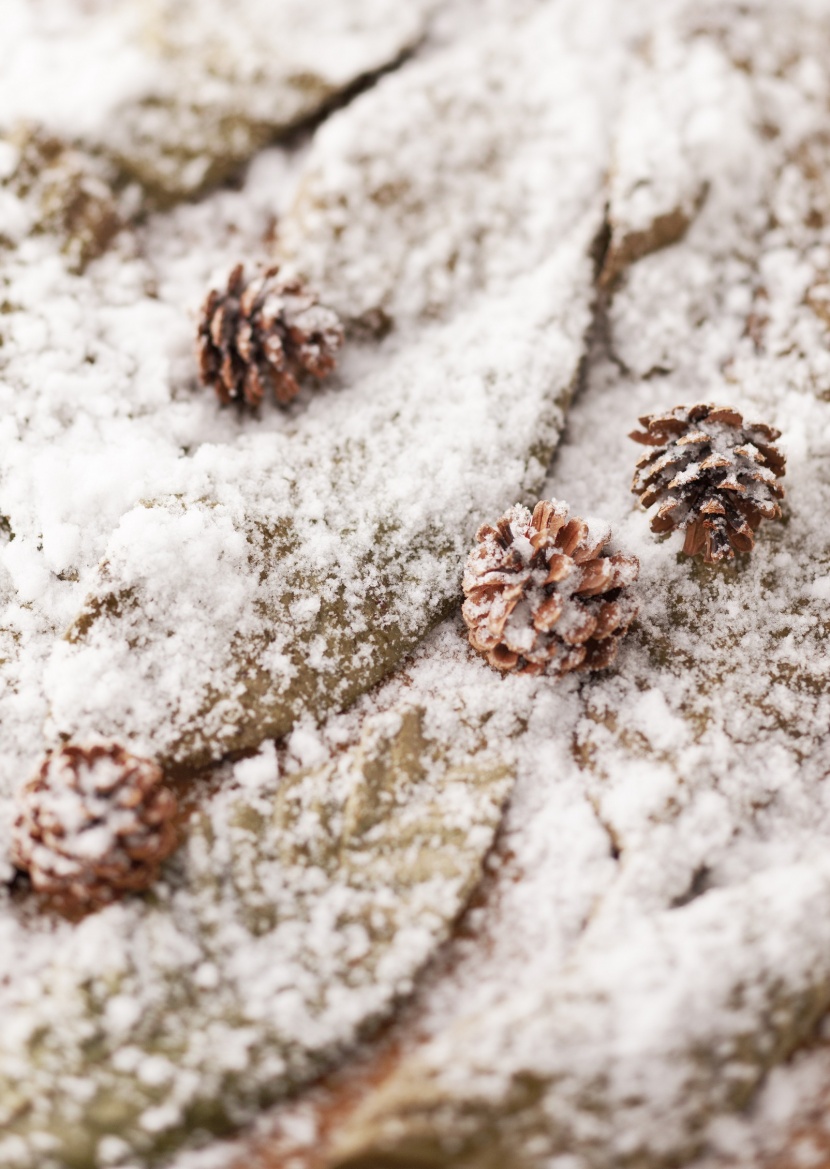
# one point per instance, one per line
(264, 332)
(541, 596)
(94, 822)
(712, 474)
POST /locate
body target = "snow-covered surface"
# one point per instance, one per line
(654, 938)
(315, 546)
(178, 93)
(112, 450)
(301, 906)
(704, 757)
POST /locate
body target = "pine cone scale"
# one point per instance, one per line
(601, 655)
(698, 438)
(715, 461)
(712, 507)
(772, 457)
(575, 628)
(560, 568)
(548, 614)
(596, 578)
(572, 534)
(610, 616)
(726, 415)
(652, 495)
(657, 428)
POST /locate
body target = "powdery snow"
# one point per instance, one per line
(660, 882)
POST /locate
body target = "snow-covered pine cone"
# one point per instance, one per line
(93, 823)
(712, 474)
(264, 332)
(541, 597)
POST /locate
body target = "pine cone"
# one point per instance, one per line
(541, 597)
(264, 332)
(712, 474)
(94, 822)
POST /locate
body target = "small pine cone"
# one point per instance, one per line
(94, 822)
(264, 332)
(542, 597)
(712, 474)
